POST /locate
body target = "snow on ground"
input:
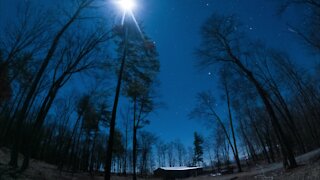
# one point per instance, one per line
(42, 171)
(309, 169)
(37, 170)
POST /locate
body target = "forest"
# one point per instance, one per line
(77, 91)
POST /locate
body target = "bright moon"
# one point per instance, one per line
(127, 5)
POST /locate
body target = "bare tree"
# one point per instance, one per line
(171, 154)
(138, 68)
(309, 31)
(180, 152)
(223, 43)
(35, 82)
(126, 120)
(161, 153)
(146, 142)
(206, 109)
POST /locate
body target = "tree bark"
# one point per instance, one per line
(110, 142)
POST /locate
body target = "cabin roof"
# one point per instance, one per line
(182, 168)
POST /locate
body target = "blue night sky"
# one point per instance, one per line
(175, 27)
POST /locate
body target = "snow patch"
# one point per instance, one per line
(179, 168)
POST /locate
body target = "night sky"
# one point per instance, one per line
(175, 27)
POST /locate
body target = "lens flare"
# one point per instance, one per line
(127, 5)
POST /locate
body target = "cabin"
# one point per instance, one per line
(169, 173)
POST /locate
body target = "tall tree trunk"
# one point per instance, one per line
(249, 144)
(31, 93)
(126, 149)
(236, 154)
(270, 145)
(32, 140)
(134, 144)
(286, 148)
(75, 155)
(264, 149)
(114, 113)
(288, 117)
(92, 160)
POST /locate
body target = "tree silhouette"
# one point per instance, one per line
(198, 149)
(223, 43)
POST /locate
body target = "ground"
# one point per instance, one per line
(309, 168)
